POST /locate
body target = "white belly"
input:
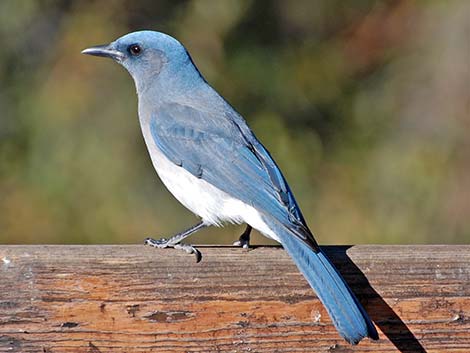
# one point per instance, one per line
(213, 205)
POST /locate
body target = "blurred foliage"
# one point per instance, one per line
(364, 104)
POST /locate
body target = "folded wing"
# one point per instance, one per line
(223, 151)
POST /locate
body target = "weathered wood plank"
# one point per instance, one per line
(139, 299)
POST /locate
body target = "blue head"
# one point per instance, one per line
(148, 55)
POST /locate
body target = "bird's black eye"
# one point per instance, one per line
(135, 49)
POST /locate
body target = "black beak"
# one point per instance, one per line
(104, 50)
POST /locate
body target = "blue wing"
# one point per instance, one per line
(223, 151)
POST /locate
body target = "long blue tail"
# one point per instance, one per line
(347, 314)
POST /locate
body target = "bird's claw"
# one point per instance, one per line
(157, 243)
(165, 243)
(190, 250)
(244, 239)
(245, 244)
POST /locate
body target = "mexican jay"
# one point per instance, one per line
(210, 160)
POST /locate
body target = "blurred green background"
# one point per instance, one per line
(364, 105)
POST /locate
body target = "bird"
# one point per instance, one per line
(211, 161)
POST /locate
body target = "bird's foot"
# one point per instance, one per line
(167, 243)
(245, 244)
(244, 240)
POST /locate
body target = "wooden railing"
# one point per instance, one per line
(139, 299)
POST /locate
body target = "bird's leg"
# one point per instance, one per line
(174, 241)
(244, 240)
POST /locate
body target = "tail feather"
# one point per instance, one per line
(347, 314)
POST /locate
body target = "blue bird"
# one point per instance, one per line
(210, 160)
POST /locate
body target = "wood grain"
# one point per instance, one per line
(139, 299)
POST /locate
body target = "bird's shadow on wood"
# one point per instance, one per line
(380, 312)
